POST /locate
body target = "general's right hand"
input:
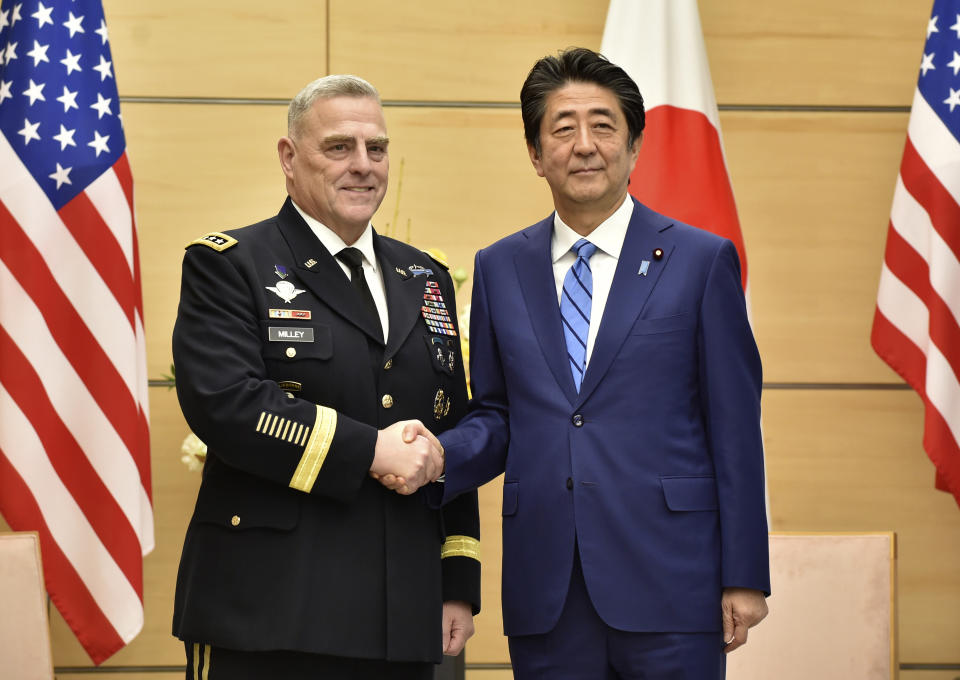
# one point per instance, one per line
(406, 457)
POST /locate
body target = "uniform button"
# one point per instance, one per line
(291, 352)
(387, 366)
(387, 401)
(577, 420)
(569, 482)
(235, 520)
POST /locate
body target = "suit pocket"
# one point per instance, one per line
(294, 342)
(690, 494)
(664, 324)
(511, 498)
(238, 501)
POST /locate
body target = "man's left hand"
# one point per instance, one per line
(457, 626)
(743, 608)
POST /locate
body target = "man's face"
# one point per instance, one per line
(583, 148)
(336, 163)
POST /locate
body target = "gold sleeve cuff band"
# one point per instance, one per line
(316, 450)
(460, 546)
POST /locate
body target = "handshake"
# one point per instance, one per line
(407, 456)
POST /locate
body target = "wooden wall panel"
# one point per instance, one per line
(860, 52)
(852, 461)
(197, 168)
(219, 48)
(813, 193)
(815, 52)
(174, 492)
(437, 51)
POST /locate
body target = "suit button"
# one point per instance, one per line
(235, 520)
(291, 352)
(569, 482)
(387, 401)
(577, 420)
(387, 366)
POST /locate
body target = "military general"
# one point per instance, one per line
(313, 355)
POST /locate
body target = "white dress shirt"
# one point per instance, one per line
(608, 238)
(371, 270)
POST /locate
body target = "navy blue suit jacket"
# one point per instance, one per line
(655, 469)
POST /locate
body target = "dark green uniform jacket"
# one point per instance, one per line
(281, 372)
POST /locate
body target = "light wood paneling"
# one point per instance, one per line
(196, 169)
(437, 51)
(852, 461)
(219, 48)
(809, 52)
(496, 674)
(814, 193)
(860, 52)
(174, 493)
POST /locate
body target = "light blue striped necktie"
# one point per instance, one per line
(575, 303)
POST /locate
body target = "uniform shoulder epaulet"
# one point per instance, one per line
(215, 240)
(437, 257)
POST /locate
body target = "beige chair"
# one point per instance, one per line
(832, 611)
(24, 630)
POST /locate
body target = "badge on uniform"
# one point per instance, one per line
(644, 267)
(443, 353)
(289, 313)
(434, 311)
(286, 290)
(280, 271)
(441, 404)
(417, 270)
(402, 273)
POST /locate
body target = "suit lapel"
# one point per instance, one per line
(404, 295)
(535, 273)
(629, 290)
(320, 272)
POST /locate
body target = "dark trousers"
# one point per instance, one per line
(216, 663)
(582, 647)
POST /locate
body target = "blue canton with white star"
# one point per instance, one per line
(59, 108)
(939, 81)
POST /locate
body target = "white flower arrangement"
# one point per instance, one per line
(194, 452)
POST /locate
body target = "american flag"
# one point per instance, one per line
(916, 328)
(681, 171)
(74, 444)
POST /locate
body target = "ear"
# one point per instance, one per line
(286, 151)
(635, 148)
(535, 159)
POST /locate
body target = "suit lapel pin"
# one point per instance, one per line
(658, 254)
(644, 266)
(310, 264)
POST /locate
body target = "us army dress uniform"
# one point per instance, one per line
(284, 375)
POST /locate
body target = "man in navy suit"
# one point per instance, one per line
(616, 383)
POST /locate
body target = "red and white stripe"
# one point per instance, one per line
(74, 439)
(916, 328)
(681, 171)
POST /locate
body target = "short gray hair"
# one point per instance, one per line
(327, 87)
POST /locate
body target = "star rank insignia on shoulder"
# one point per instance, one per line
(215, 240)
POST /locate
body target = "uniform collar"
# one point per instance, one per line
(334, 244)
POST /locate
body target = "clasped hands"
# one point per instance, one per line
(406, 457)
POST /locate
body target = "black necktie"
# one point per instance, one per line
(353, 258)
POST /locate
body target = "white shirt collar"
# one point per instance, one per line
(334, 244)
(608, 236)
